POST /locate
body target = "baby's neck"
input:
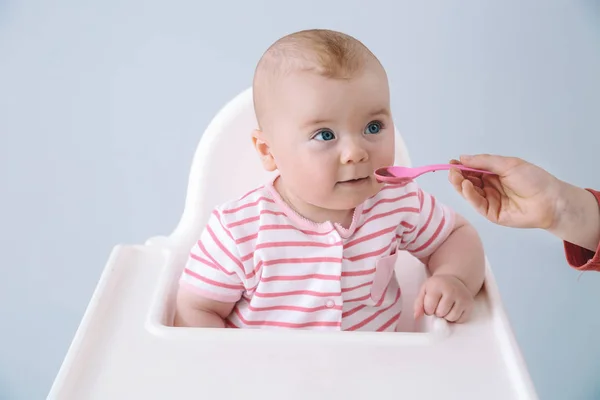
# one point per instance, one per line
(312, 213)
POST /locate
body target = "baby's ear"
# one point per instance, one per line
(263, 150)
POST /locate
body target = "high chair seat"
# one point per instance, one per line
(127, 348)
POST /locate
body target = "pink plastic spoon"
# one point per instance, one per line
(397, 174)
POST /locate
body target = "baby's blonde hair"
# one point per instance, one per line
(328, 53)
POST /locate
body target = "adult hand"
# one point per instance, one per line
(520, 195)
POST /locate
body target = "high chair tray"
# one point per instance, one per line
(124, 348)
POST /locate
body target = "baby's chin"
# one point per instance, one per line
(347, 202)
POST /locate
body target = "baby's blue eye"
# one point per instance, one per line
(325, 135)
(373, 128)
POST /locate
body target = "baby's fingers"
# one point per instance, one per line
(419, 309)
(432, 299)
(459, 312)
(455, 313)
(444, 306)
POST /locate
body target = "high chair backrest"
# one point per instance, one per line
(225, 166)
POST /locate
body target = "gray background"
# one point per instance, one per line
(102, 105)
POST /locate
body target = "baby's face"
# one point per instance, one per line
(328, 136)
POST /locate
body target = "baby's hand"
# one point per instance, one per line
(444, 296)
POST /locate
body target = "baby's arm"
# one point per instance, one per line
(453, 253)
(196, 311)
(213, 279)
(460, 255)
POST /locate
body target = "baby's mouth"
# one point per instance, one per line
(355, 180)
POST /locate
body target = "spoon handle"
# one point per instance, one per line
(436, 167)
(462, 167)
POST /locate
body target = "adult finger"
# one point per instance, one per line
(456, 179)
(476, 198)
(476, 181)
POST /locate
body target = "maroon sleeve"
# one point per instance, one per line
(580, 258)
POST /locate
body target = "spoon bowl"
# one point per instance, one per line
(397, 174)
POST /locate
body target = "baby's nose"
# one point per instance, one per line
(354, 153)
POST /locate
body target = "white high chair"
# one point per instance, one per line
(125, 347)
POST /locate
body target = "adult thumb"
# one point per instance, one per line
(488, 162)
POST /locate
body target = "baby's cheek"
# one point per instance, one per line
(310, 180)
(387, 157)
(319, 184)
(319, 172)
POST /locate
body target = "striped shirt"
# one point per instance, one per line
(284, 271)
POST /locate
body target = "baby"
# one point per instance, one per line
(316, 247)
